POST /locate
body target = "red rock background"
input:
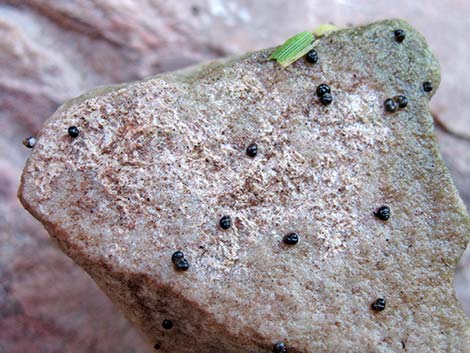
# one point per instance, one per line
(51, 50)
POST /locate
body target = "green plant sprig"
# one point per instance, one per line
(299, 45)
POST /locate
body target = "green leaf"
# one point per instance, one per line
(293, 49)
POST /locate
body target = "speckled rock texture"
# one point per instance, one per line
(55, 50)
(158, 162)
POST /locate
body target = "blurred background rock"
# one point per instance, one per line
(52, 50)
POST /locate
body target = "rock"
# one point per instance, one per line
(54, 50)
(158, 162)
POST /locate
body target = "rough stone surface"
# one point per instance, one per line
(158, 162)
(55, 50)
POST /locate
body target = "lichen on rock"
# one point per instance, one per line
(159, 162)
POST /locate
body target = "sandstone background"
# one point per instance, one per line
(51, 50)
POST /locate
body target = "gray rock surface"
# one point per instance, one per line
(158, 162)
(55, 50)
